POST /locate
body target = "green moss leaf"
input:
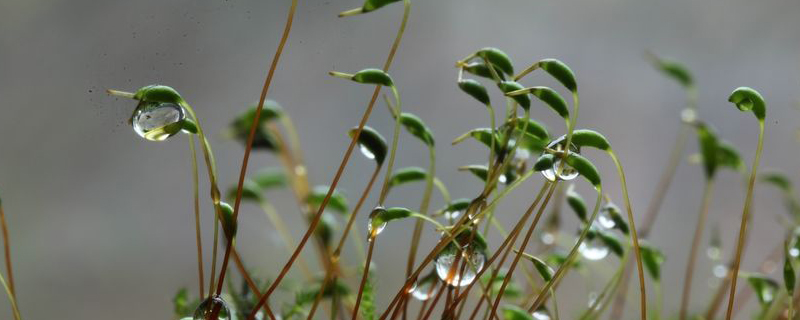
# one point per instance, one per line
(158, 93)
(229, 226)
(417, 128)
(407, 175)
(475, 89)
(373, 76)
(552, 99)
(544, 162)
(270, 178)
(590, 138)
(765, 288)
(480, 69)
(652, 259)
(338, 201)
(561, 72)
(584, 167)
(674, 70)
(509, 86)
(576, 202)
(480, 171)
(251, 191)
(498, 58)
(708, 149)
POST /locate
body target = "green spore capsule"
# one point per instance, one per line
(205, 308)
(157, 121)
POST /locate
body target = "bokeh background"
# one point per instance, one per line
(101, 220)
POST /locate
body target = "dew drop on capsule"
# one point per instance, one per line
(157, 121)
(446, 259)
(604, 219)
(720, 271)
(567, 173)
(366, 152)
(372, 229)
(541, 314)
(593, 249)
(205, 308)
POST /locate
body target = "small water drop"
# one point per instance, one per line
(452, 215)
(592, 299)
(374, 228)
(688, 116)
(205, 308)
(548, 238)
(366, 152)
(445, 262)
(424, 288)
(794, 252)
(720, 271)
(593, 249)
(521, 155)
(541, 314)
(156, 121)
(605, 220)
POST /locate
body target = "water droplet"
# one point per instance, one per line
(452, 215)
(541, 314)
(521, 155)
(794, 252)
(156, 121)
(205, 308)
(713, 253)
(502, 178)
(593, 249)
(424, 288)
(605, 221)
(548, 238)
(366, 152)
(567, 173)
(720, 271)
(592, 299)
(445, 262)
(688, 116)
(374, 227)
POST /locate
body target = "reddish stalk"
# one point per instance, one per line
(7, 251)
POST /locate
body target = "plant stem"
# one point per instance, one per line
(337, 253)
(7, 252)
(365, 274)
(658, 195)
(342, 165)
(277, 222)
(11, 298)
(525, 241)
(423, 209)
(249, 146)
(698, 235)
(636, 248)
(571, 257)
(198, 234)
(745, 216)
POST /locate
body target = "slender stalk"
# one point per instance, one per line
(698, 235)
(277, 222)
(423, 209)
(745, 216)
(7, 251)
(198, 234)
(393, 150)
(214, 250)
(365, 274)
(343, 164)
(664, 181)
(249, 281)
(571, 257)
(525, 241)
(337, 253)
(11, 297)
(249, 146)
(636, 249)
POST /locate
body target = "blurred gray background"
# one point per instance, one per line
(101, 220)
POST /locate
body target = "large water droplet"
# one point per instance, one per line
(374, 228)
(593, 249)
(205, 308)
(462, 275)
(366, 152)
(156, 121)
(567, 173)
